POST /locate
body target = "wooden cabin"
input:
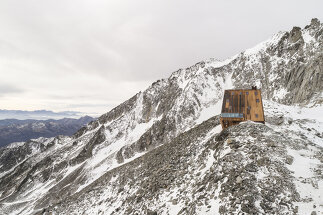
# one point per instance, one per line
(241, 105)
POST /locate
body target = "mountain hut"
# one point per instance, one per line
(241, 105)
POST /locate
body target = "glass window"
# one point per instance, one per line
(256, 93)
(232, 93)
(247, 93)
(257, 100)
(256, 115)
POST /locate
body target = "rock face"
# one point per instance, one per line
(12, 130)
(242, 169)
(162, 152)
(287, 67)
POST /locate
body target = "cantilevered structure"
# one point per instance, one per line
(241, 105)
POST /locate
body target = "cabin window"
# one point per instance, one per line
(256, 93)
(227, 103)
(257, 100)
(247, 93)
(240, 93)
(256, 115)
(232, 93)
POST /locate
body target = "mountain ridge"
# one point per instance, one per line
(14, 130)
(37, 114)
(288, 70)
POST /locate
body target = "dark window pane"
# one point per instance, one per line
(257, 100)
(256, 115)
(256, 93)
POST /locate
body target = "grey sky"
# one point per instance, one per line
(91, 55)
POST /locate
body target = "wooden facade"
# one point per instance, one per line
(241, 105)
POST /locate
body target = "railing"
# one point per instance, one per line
(232, 115)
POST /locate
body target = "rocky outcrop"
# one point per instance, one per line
(243, 169)
(288, 67)
(87, 151)
(160, 151)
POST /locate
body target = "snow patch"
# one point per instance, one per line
(281, 93)
(307, 37)
(208, 112)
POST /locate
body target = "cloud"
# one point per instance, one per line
(6, 89)
(67, 54)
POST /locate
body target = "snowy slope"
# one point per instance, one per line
(249, 168)
(132, 157)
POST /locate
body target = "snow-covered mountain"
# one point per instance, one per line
(163, 151)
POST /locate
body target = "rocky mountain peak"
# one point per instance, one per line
(295, 34)
(163, 151)
(315, 23)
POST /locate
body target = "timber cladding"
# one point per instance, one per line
(241, 105)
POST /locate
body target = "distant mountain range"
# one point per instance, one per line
(38, 114)
(14, 130)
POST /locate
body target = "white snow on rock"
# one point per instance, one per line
(199, 92)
